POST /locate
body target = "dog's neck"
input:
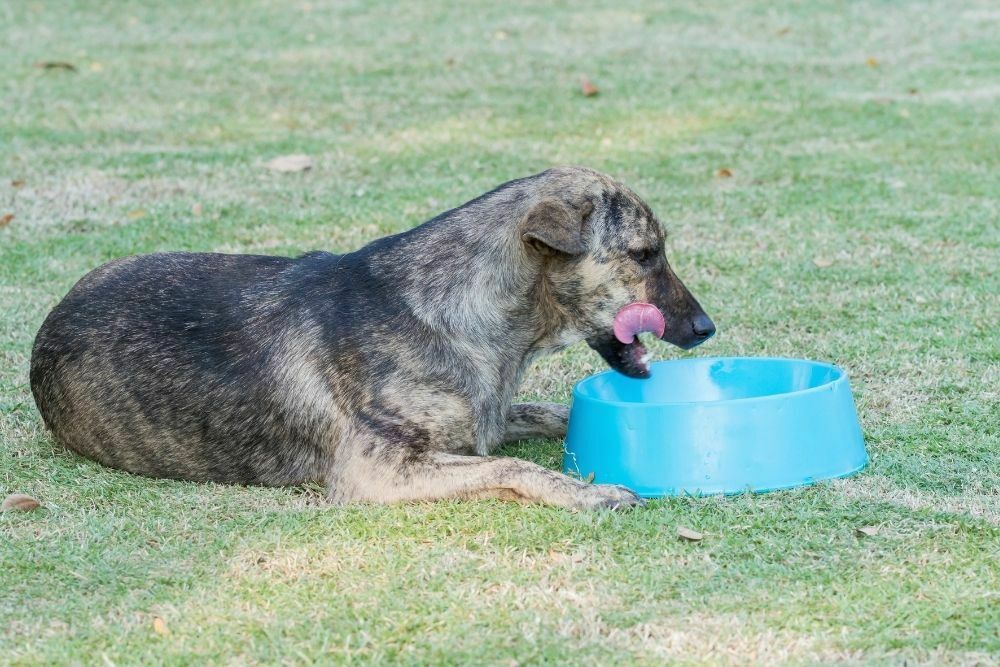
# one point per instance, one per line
(468, 273)
(469, 276)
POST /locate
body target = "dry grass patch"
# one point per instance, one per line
(980, 501)
(702, 638)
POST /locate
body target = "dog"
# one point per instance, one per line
(386, 374)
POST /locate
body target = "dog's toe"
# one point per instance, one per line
(611, 496)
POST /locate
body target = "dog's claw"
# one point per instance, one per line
(610, 496)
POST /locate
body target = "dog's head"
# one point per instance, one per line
(602, 252)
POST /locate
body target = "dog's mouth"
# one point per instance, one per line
(624, 352)
(631, 359)
(637, 318)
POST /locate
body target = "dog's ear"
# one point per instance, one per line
(553, 226)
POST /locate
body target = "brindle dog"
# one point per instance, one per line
(386, 373)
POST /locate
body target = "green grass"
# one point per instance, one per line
(860, 226)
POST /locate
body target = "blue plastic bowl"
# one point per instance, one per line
(723, 425)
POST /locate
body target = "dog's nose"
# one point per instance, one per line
(703, 326)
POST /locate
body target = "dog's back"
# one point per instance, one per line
(178, 324)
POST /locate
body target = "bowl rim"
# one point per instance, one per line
(840, 379)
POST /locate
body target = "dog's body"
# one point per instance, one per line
(387, 373)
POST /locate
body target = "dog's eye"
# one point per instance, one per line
(643, 256)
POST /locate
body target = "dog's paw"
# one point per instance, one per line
(609, 496)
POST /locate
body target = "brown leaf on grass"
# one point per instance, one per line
(56, 64)
(724, 173)
(136, 214)
(197, 210)
(872, 61)
(688, 534)
(912, 91)
(822, 262)
(784, 31)
(5, 219)
(289, 163)
(17, 183)
(160, 626)
(587, 88)
(19, 502)
(866, 531)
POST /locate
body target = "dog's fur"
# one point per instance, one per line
(386, 373)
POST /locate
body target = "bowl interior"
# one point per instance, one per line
(708, 380)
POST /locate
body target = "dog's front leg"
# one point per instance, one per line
(529, 421)
(385, 472)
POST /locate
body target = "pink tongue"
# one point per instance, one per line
(637, 318)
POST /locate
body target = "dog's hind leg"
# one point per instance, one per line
(528, 421)
(388, 473)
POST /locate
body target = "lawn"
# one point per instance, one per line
(828, 172)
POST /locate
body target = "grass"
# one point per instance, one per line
(859, 226)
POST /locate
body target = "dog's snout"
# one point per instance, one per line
(701, 329)
(703, 326)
